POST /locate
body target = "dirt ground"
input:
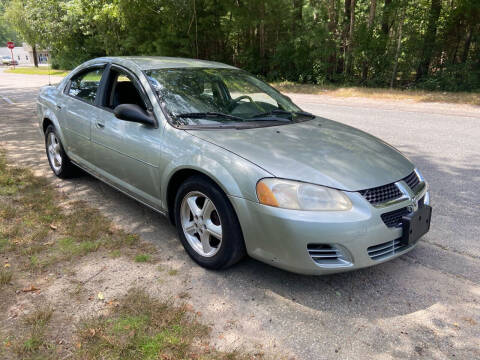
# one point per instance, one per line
(423, 305)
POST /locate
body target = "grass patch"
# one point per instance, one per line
(37, 71)
(32, 344)
(172, 272)
(471, 98)
(145, 328)
(141, 258)
(5, 277)
(40, 233)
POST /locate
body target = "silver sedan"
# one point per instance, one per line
(236, 166)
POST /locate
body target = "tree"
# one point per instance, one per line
(17, 15)
(433, 44)
(429, 40)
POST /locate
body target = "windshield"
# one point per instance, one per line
(214, 96)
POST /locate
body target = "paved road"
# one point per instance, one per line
(423, 305)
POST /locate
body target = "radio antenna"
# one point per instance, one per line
(49, 65)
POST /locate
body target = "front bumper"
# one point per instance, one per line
(281, 237)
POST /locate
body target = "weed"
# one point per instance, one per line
(146, 328)
(142, 258)
(115, 253)
(5, 277)
(172, 272)
(33, 342)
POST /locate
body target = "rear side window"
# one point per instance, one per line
(85, 85)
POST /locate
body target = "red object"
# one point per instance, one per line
(11, 45)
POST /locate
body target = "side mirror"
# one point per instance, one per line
(133, 113)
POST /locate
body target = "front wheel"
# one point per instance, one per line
(57, 158)
(207, 224)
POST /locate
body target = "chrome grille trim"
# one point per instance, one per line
(385, 250)
(381, 194)
(389, 194)
(412, 180)
(328, 256)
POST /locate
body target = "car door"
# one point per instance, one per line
(77, 111)
(127, 153)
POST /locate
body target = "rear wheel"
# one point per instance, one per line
(207, 224)
(57, 158)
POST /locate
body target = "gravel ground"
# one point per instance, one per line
(423, 305)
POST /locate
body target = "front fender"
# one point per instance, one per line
(233, 174)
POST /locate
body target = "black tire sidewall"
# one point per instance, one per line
(232, 248)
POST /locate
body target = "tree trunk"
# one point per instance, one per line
(297, 15)
(386, 17)
(332, 29)
(397, 54)
(35, 57)
(349, 57)
(371, 18)
(261, 37)
(466, 48)
(429, 40)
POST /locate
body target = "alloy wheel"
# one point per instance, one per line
(54, 152)
(201, 223)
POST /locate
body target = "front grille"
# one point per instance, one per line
(394, 218)
(389, 192)
(412, 180)
(386, 249)
(381, 194)
(328, 255)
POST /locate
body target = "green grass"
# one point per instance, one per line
(40, 234)
(37, 71)
(141, 258)
(172, 272)
(32, 343)
(471, 98)
(5, 277)
(144, 327)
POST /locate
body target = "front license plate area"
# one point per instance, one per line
(416, 225)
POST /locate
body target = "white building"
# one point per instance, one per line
(24, 54)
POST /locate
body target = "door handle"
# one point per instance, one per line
(100, 125)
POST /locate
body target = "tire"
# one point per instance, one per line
(57, 158)
(222, 252)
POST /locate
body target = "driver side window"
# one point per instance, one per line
(121, 89)
(84, 86)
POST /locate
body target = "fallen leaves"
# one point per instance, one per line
(30, 289)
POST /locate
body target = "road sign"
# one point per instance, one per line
(11, 45)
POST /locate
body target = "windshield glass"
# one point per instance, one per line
(213, 96)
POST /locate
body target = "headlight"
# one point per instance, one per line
(301, 196)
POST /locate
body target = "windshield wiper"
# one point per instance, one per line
(281, 112)
(203, 115)
(273, 112)
(304, 113)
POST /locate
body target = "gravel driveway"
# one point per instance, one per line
(423, 305)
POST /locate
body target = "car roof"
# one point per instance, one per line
(164, 62)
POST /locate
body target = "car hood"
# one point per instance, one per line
(318, 151)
